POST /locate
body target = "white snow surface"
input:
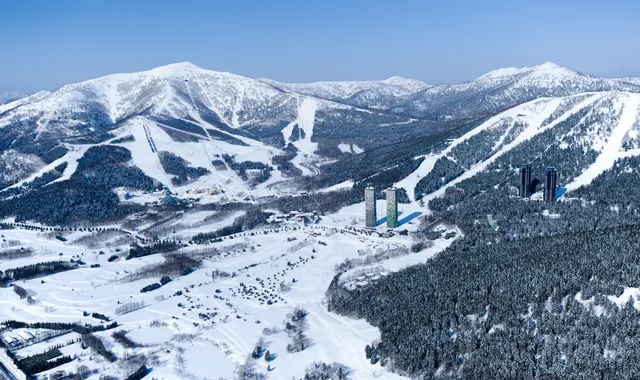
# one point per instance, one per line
(306, 119)
(545, 68)
(184, 343)
(396, 86)
(612, 150)
(350, 148)
(533, 114)
(171, 325)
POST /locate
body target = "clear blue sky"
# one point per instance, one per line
(46, 44)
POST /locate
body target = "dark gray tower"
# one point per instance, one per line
(550, 185)
(525, 181)
(370, 207)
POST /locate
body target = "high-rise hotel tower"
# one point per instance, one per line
(550, 177)
(525, 181)
(370, 206)
(392, 207)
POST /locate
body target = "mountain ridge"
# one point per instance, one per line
(398, 94)
(201, 115)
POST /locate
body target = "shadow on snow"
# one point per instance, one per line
(409, 218)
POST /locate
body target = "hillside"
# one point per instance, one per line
(168, 222)
(551, 290)
(381, 94)
(10, 96)
(580, 135)
(504, 88)
(183, 104)
(249, 139)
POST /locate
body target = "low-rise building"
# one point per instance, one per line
(169, 199)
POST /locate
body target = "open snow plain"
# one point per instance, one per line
(205, 323)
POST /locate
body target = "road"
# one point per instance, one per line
(5, 373)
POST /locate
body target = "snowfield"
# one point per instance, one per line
(200, 310)
(606, 140)
(612, 149)
(200, 326)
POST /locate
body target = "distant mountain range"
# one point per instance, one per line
(244, 103)
(298, 130)
(10, 96)
(489, 93)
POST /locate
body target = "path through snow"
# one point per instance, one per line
(306, 118)
(613, 148)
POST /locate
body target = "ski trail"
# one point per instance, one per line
(71, 158)
(532, 130)
(221, 178)
(148, 163)
(409, 183)
(213, 170)
(199, 120)
(288, 130)
(305, 121)
(152, 143)
(612, 150)
(506, 133)
(306, 118)
(235, 118)
(205, 125)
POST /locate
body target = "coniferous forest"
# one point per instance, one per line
(544, 300)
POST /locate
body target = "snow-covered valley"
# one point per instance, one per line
(183, 223)
(204, 324)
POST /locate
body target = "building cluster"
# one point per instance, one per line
(371, 219)
(364, 280)
(206, 190)
(494, 225)
(18, 338)
(295, 217)
(527, 186)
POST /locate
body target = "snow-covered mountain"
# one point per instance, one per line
(490, 93)
(368, 94)
(224, 102)
(11, 103)
(183, 104)
(168, 91)
(230, 151)
(10, 96)
(184, 91)
(581, 135)
(203, 116)
(227, 102)
(504, 88)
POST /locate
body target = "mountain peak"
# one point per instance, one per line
(176, 69)
(410, 84)
(398, 80)
(543, 67)
(547, 66)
